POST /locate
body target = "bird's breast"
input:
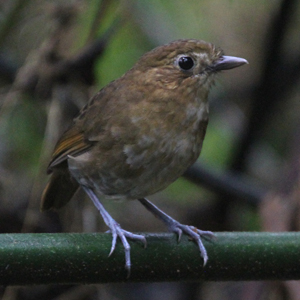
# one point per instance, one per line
(160, 145)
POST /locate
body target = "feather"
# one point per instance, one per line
(72, 143)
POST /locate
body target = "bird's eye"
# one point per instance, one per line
(185, 63)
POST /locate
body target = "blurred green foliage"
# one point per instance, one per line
(24, 136)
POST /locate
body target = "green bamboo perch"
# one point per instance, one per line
(83, 258)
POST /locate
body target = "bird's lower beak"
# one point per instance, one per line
(229, 62)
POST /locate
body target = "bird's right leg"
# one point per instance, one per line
(116, 229)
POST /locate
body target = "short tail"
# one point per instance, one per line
(59, 190)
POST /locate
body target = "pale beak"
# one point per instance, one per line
(228, 62)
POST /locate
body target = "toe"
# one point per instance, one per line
(195, 234)
(175, 228)
(113, 243)
(207, 234)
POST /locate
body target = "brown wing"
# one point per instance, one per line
(72, 143)
(62, 186)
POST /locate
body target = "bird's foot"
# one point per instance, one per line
(118, 232)
(194, 233)
(178, 228)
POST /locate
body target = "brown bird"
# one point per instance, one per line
(140, 133)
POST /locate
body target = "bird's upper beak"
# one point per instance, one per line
(228, 62)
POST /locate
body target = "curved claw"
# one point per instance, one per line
(177, 231)
(113, 243)
(202, 250)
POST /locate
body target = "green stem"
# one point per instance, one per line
(83, 258)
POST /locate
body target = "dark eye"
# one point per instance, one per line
(185, 63)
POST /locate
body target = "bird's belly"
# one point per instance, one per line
(136, 172)
(162, 173)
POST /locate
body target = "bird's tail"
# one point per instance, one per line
(59, 190)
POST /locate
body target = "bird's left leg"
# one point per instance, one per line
(178, 228)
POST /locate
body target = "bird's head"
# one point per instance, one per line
(185, 61)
